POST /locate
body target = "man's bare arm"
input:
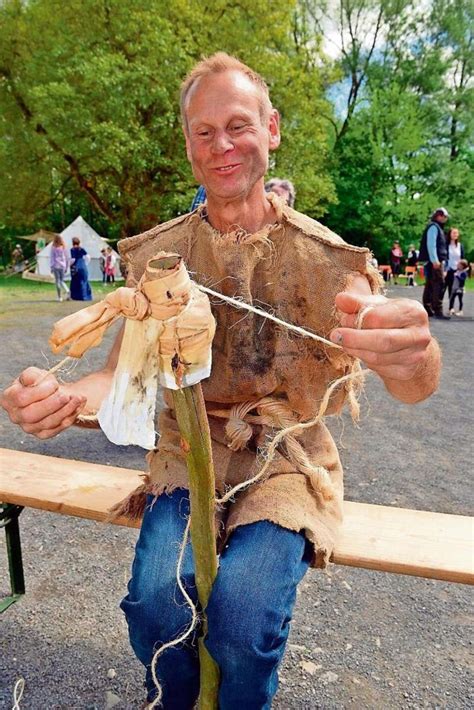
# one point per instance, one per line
(48, 408)
(394, 341)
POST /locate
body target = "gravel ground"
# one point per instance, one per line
(359, 638)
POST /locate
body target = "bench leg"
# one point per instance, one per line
(9, 515)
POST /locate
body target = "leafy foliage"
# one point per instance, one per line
(375, 135)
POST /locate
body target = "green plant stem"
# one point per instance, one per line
(192, 420)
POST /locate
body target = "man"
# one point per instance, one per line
(254, 247)
(102, 262)
(433, 252)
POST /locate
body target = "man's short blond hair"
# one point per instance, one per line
(219, 63)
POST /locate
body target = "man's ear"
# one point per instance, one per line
(274, 129)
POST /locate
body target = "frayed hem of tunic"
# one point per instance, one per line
(133, 506)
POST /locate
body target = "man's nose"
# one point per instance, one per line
(222, 142)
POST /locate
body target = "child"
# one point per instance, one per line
(460, 276)
(110, 265)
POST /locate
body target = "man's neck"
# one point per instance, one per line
(250, 213)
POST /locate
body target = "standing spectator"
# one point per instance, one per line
(102, 258)
(58, 263)
(455, 253)
(110, 266)
(459, 280)
(80, 286)
(17, 258)
(282, 188)
(396, 256)
(412, 261)
(433, 252)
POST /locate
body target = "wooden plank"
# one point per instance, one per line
(77, 488)
(377, 537)
(415, 542)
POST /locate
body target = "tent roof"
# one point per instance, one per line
(40, 234)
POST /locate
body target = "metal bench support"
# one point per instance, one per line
(9, 515)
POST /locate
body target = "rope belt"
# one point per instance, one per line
(273, 413)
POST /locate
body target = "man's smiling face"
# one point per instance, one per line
(229, 134)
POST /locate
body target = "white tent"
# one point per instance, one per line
(90, 241)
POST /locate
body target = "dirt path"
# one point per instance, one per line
(359, 638)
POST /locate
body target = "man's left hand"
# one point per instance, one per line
(394, 338)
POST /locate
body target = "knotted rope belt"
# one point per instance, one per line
(275, 414)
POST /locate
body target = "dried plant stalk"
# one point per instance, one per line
(193, 424)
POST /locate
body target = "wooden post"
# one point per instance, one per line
(192, 420)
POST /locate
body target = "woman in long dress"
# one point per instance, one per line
(80, 286)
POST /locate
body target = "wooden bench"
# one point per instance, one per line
(376, 537)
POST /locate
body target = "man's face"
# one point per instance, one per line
(227, 139)
(441, 218)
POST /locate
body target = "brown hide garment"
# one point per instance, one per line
(294, 269)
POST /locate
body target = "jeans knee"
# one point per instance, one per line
(233, 631)
(155, 614)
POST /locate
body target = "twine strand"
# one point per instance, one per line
(264, 314)
(18, 693)
(180, 639)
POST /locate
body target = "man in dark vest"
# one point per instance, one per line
(433, 252)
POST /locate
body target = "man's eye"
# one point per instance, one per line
(238, 127)
(203, 134)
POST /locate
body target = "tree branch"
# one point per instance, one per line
(74, 168)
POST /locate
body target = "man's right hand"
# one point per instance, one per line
(436, 265)
(44, 409)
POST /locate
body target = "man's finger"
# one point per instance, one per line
(21, 396)
(386, 340)
(397, 313)
(31, 376)
(350, 302)
(39, 411)
(379, 361)
(57, 421)
(49, 433)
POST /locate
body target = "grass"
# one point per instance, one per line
(18, 288)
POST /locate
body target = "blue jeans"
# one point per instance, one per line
(249, 611)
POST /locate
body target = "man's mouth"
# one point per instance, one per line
(226, 168)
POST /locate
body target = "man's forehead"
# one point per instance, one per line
(233, 83)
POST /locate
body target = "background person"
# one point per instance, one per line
(459, 281)
(412, 261)
(80, 286)
(110, 260)
(396, 256)
(58, 263)
(17, 258)
(282, 188)
(102, 258)
(433, 253)
(455, 253)
(199, 198)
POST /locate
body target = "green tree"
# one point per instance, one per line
(89, 97)
(403, 129)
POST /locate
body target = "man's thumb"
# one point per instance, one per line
(351, 302)
(31, 376)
